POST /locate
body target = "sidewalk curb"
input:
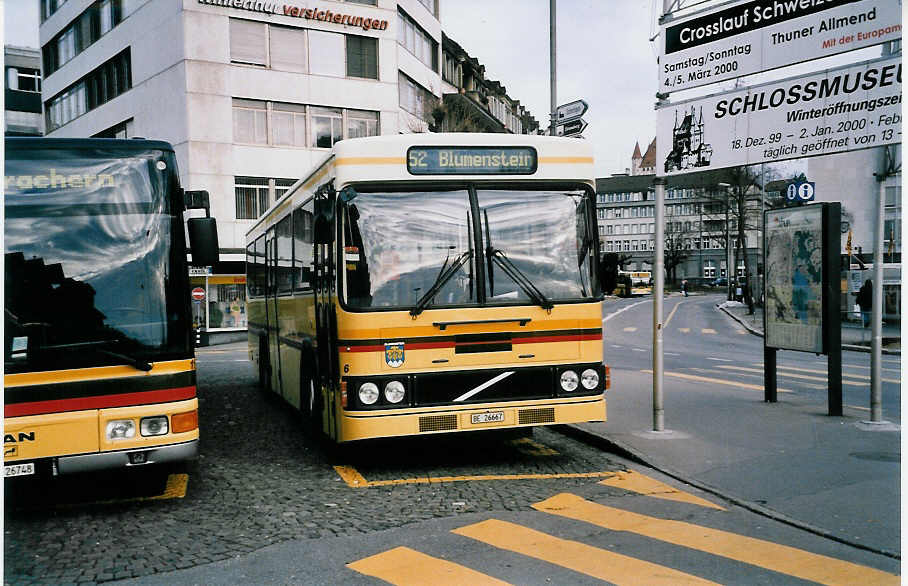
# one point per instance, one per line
(610, 445)
(851, 347)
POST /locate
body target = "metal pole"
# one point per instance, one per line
(658, 288)
(876, 363)
(552, 87)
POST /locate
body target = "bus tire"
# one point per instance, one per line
(310, 397)
(264, 367)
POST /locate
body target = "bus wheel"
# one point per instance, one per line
(310, 398)
(264, 367)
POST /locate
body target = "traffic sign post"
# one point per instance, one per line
(570, 111)
(198, 294)
(571, 128)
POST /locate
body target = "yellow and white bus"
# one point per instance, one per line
(98, 361)
(432, 283)
(641, 283)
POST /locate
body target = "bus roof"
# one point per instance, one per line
(39, 142)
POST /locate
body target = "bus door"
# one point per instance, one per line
(271, 313)
(326, 327)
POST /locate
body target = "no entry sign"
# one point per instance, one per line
(198, 294)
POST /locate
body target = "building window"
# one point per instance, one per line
(255, 194)
(248, 42)
(431, 6)
(330, 50)
(452, 74)
(48, 7)
(250, 121)
(298, 125)
(115, 131)
(362, 57)
(103, 84)
(287, 48)
(327, 127)
(414, 98)
(94, 22)
(417, 41)
(23, 79)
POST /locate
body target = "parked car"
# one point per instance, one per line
(719, 282)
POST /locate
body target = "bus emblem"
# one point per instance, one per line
(394, 354)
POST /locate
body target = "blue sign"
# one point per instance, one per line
(801, 191)
(438, 160)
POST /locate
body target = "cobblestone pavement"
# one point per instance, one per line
(261, 481)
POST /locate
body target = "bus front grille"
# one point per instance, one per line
(543, 415)
(437, 423)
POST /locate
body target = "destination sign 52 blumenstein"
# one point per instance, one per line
(440, 160)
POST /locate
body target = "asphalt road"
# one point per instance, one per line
(266, 504)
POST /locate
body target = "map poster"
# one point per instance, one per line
(794, 278)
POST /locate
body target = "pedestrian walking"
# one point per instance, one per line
(865, 302)
(684, 287)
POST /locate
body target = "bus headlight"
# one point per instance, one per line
(121, 429)
(569, 380)
(394, 391)
(368, 393)
(153, 425)
(589, 379)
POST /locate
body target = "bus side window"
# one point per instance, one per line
(302, 248)
(284, 258)
(259, 270)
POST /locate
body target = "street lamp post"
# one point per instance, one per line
(728, 262)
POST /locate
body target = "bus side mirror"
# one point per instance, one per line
(203, 241)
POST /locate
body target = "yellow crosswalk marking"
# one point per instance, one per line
(406, 566)
(354, 479)
(789, 375)
(586, 559)
(719, 381)
(757, 552)
(707, 331)
(641, 483)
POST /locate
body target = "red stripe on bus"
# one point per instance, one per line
(99, 402)
(451, 344)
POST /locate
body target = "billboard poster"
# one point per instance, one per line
(837, 110)
(793, 294)
(759, 35)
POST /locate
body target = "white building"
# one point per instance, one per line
(250, 93)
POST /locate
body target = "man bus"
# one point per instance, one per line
(431, 283)
(98, 358)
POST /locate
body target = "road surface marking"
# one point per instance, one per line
(672, 314)
(354, 479)
(760, 376)
(576, 556)
(174, 489)
(844, 365)
(757, 552)
(671, 354)
(718, 359)
(639, 349)
(860, 376)
(530, 447)
(719, 381)
(684, 330)
(613, 314)
(707, 331)
(630, 329)
(745, 332)
(406, 566)
(640, 483)
(789, 375)
(617, 346)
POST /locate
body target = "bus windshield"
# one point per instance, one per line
(88, 241)
(407, 249)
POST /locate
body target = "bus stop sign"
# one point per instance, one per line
(198, 294)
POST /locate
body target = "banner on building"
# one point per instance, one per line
(759, 35)
(837, 110)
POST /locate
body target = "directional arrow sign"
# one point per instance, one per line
(570, 111)
(571, 128)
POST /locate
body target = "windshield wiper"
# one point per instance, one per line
(511, 270)
(136, 363)
(444, 275)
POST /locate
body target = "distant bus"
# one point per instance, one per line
(431, 283)
(98, 359)
(640, 283)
